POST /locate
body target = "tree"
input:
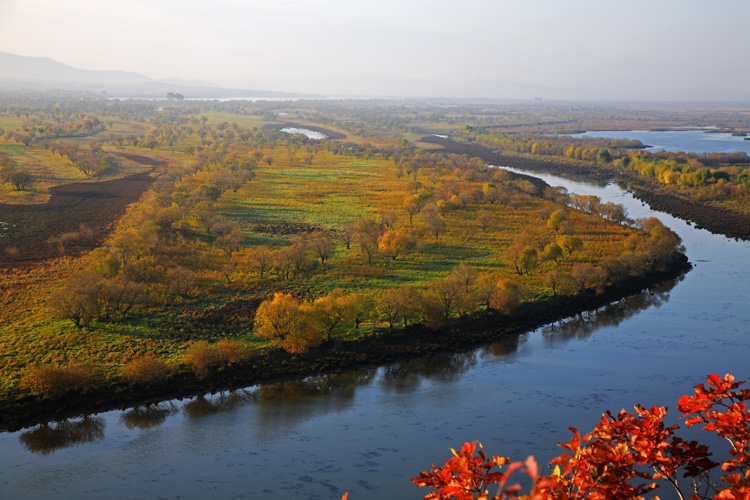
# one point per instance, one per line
(465, 274)
(603, 156)
(434, 224)
(512, 255)
(570, 243)
(625, 456)
(321, 245)
(360, 306)
(230, 242)
(284, 260)
(505, 297)
(552, 252)
(20, 179)
(527, 260)
(555, 220)
(412, 208)
(116, 296)
(56, 381)
(367, 246)
(387, 217)
(181, 281)
(202, 358)
(491, 194)
(485, 221)
(330, 313)
(234, 351)
(400, 303)
(443, 298)
(299, 253)
(559, 281)
(285, 322)
(394, 243)
(145, 369)
(77, 301)
(348, 234)
(261, 258)
(587, 275)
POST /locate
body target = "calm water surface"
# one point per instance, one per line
(688, 141)
(369, 432)
(310, 134)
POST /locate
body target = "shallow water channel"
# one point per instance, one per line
(369, 432)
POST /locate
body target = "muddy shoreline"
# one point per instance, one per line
(375, 350)
(715, 220)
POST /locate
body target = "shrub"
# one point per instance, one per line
(233, 351)
(146, 369)
(202, 358)
(54, 381)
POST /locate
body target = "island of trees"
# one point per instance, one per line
(154, 249)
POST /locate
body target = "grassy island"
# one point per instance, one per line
(157, 249)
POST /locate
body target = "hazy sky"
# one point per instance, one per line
(635, 48)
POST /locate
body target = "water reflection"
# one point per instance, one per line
(147, 416)
(225, 401)
(611, 315)
(503, 347)
(404, 376)
(51, 437)
(289, 403)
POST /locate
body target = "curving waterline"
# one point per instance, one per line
(368, 432)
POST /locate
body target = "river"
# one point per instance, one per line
(687, 141)
(369, 432)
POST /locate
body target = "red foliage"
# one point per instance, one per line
(623, 457)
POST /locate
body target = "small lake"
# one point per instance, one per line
(688, 141)
(310, 134)
(368, 432)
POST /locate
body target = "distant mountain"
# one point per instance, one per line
(23, 68)
(24, 74)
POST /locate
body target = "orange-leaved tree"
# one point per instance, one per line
(624, 457)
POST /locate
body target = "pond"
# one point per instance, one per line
(310, 134)
(368, 432)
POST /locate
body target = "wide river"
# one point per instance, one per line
(369, 432)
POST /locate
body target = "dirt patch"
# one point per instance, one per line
(284, 228)
(98, 205)
(143, 160)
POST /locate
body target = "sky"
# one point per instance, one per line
(655, 49)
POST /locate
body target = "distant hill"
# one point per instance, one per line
(22, 74)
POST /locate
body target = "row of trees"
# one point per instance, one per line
(90, 161)
(708, 177)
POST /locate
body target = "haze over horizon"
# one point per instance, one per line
(667, 50)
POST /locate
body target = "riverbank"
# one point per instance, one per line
(373, 350)
(713, 219)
